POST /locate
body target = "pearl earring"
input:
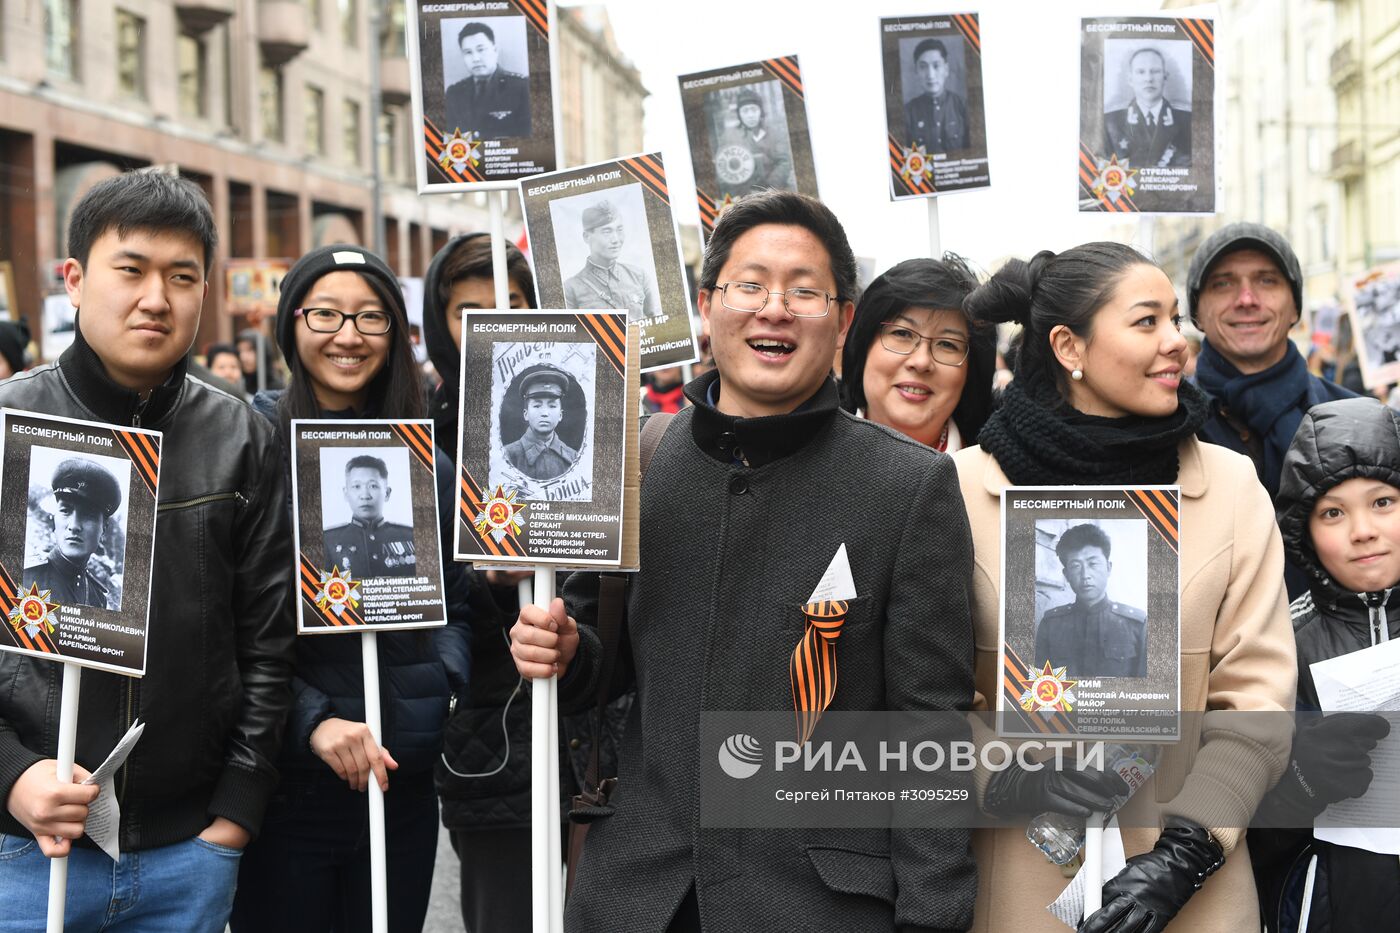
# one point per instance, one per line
(1077, 374)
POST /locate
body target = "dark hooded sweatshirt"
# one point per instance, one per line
(1352, 889)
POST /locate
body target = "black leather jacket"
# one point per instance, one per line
(218, 664)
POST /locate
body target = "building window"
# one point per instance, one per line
(314, 6)
(351, 129)
(270, 100)
(315, 119)
(131, 54)
(394, 26)
(61, 37)
(350, 22)
(388, 154)
(193, 63)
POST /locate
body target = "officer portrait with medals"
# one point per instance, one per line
(1093, 636)
(606, 282)
(490, 100)
(85, 496)
(369, 545)
(539, 453)
(1151, 131)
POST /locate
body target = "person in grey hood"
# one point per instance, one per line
(460, 279)
(1339, 511)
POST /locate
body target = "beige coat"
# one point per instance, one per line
(1236, 654)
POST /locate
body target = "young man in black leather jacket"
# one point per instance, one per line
(218, 667)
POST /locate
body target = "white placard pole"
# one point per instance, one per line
(497, 200)
(378, 871)
(67, 741)
(935, 239)
(544, 595)
(544, 786)
(1093, 863)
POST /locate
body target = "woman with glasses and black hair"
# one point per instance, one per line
(913, 361)
(343, 329)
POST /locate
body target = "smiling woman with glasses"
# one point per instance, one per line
(913, 361)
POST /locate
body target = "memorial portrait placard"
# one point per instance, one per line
(747, 126)
(1147, 114)
(75, 575)
(1373, 308)
(1090, 628)
(936, 126)
(603, 239)
(365, 511)
(482, 85)
(544, 434)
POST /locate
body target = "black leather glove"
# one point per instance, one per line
(1331, 761)
(1154, 886)
(1018, 792)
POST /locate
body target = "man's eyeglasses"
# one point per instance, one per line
(330, 321)
(897, 338)
(751, 299)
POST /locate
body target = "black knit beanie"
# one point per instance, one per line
(339, 257)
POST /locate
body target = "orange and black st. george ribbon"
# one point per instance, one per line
(813, 664)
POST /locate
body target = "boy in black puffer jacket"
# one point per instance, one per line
(1339, 512)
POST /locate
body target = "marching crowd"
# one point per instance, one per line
(243, 803)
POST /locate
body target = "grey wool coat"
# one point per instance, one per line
(730, 553)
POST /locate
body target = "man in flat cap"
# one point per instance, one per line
(539, 453)
(604, 282)
(367, 545)
(86, 495)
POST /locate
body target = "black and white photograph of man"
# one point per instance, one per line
(367, 511)
(75, 539)
(605, 237)
(485, 73)
(1147, 102)
(935, 103)
(543, 411)
(749, 139)
(1378, 313)
(1100, 631)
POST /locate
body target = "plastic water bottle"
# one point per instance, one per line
(1061, 837)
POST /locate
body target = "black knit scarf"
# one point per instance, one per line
(1039, 440)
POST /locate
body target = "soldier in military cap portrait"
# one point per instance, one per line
(1092, 636)
(538, 452)
(491, 101)
(85, 494)
(1150, 132)
(755, 155)
(605, 282)
(368, 545)
(936, 118)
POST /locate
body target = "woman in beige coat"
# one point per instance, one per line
(1099, 399)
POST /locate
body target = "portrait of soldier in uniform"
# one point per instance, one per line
(755, 154)
(85, 495)
(368, 545)
(605, 282)
(490, 101)
(1092, 636)
(539, 453)
(1151, 131)
(936, 117)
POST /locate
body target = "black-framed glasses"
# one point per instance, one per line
(904, 340)
(751, 299)
(329, 321)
